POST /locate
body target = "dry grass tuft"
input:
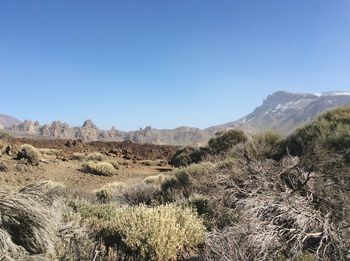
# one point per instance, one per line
(29, 220)
(99, 168)
(79, 156)
(50, 152)
(96, 156)
(155, 179)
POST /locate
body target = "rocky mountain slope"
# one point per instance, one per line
(284, 111)
(7, 121)
(281, 112)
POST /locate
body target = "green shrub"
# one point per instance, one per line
(143, 233)
(226, 141)
(330, 131)
(99, 168)
(29, 153)
(186, 156)
(265, 146)
(179, 182)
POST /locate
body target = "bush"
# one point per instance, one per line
(99, 168)
(155, 179)
(143, 233)
(96, 156)
(186, 156)
(132, 195)
(29, 153)
(179, 182)
(330, 131)
(79, 156)
(226, 141)
(52, 152)
(265, 146)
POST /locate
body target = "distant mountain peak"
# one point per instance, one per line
(284, 111)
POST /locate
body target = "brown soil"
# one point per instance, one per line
(124, 149)
(135, 163)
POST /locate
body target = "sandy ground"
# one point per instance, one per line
(69, 173)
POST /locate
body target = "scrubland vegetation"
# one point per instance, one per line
(264, 197)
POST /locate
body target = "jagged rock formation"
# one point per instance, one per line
(281, 112)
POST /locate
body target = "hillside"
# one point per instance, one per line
(8, 121)
(284, 111)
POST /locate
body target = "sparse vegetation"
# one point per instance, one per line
(262, 198)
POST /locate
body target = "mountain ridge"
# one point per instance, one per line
(281, 111)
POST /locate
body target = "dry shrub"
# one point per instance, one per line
(129, 194)
(283, 210)
(29, 153)
(50, 152)
(29, 220)
(143, 233)
(79, 156)
(148, 162)
(99, 168)
(180, 184)
(114, 163)
(155, 179)
(75, 241)
(96, 156)
(105, 193)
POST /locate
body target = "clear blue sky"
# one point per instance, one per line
(166, 63)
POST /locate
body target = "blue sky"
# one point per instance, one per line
(166, 63)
